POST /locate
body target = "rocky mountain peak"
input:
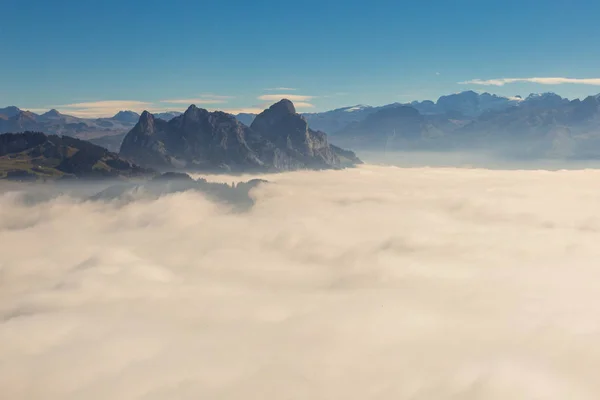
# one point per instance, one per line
(192, 109)
(146, 121)
(280, 120)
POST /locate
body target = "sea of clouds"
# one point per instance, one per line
(368, 283)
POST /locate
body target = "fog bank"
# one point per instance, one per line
(473, 159)
(367, 283)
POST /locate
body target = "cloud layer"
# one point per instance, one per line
(543, 81)
(368, 283)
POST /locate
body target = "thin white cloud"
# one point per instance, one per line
(437, 73)
(292, 97)
(280, 89)
(303, 104)
(242, 110)
(542, 81)
(108, 103)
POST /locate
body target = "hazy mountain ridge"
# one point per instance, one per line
(12, 119)
(34, 155)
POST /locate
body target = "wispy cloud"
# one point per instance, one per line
(542, 81)
(102, 108)
(292, 97)
(280, 89)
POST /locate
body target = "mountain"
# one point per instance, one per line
(8, 112)
(544, 101)
(246, 118)
(464, 105)
(34, 155)
(55, 123)
(335, 120)
(52, 114)
(129, 117)
(388, 127)
(278, 139)
(472, 104)
(167, 116)
(539, 126)
(296, 145)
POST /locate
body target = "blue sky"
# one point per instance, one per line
(95, 57)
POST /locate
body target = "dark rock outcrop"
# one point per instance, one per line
(279, 139)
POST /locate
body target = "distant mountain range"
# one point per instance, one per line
(539, 125)
(278, 139)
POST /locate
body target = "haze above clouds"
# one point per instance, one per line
(374, 282)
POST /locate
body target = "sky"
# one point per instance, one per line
(94, 58)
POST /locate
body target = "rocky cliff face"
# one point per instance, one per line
(279, 139)
(198, 139)
(289, 132)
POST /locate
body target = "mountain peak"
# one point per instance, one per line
(126, 116)
(191, 110)
(52, 113)
(283, 106)
(146, 116)
(146, 120)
